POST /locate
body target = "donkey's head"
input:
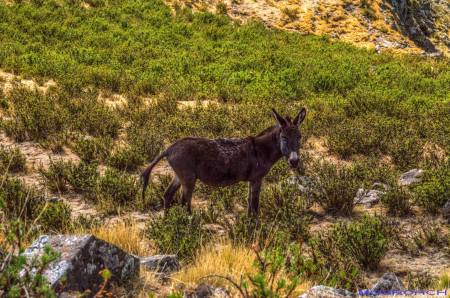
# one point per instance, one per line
(289, 136)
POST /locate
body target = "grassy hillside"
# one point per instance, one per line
(126, 73)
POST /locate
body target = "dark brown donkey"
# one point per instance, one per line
(223, 162)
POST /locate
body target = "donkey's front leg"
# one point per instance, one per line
(253, 198)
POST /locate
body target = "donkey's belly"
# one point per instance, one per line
(221, 176)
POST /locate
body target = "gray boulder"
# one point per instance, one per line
(388, 282)
(161, 263)
(369, 197)
(446, 211)
(326, 292)
(410, 177)
(81, 259)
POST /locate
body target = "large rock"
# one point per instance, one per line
(326, 292)
(81, 259)
(410, 177)
(161, 263)
(388, 282)
(369, 197)
(446, 211)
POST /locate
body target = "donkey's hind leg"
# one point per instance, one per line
(170, 192)
(188, 189)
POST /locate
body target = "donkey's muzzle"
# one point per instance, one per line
(293, 160)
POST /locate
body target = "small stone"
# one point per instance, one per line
(161, 263)
(54, 200)
(410, 177)
(81, 259)
(207, 291)
(326, 292)
(388, 282)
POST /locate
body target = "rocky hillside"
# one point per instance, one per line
(413, 26)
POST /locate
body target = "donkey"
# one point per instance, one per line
(223, 162)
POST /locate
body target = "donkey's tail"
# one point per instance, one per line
(145, 176)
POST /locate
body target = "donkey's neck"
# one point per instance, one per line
(267, 146)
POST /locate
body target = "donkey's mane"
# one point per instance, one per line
(266, 131)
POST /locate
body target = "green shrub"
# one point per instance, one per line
(365, 240)
(56, 217)
(397, 200)
(19, 277)
(93, 149)
(284, 209)
(35, 116)
(126, 159)
(148, 141)
(221, 8)
(335, 187)
(56, 175)
(35, 212)
(118, 187)
(12, 160)
(432, 193)
(178, 232)
(83, 178)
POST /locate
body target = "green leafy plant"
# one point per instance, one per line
(12, 160)
(276, 275)
(178, 232)
(432, 193)
(335, 187)
(397, 200)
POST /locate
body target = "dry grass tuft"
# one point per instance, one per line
(224, 260)
(126, 234)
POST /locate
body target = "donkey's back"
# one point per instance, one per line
(217, 162)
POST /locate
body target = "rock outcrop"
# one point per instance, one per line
(82, 257)
(388, 282)
(410, 177)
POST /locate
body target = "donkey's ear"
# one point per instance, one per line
(280, 120)
(300, 117)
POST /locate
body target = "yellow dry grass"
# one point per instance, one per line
(225, 260)
(125, 234)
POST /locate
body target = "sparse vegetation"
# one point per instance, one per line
(187, 73)
(178, 233)
(12, 160)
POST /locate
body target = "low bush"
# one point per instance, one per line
(35, 116)
(398, 201)
(126, 159)
(83, 178)
(148, 141)
(178, 232)
(285, 210)
(19, 277)
(364, 240)
(335, 187)
(35, 212)
(12, 160)
(93, 149)
(95, 118)
(434, 190)
(117, 187)
(56, 176)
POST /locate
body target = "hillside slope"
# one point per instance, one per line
(398, 25)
